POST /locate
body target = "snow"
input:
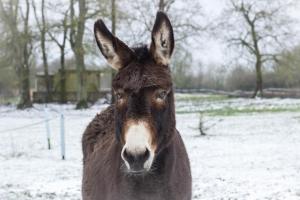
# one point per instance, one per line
(245, 156)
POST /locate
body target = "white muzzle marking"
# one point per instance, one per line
(137, 141)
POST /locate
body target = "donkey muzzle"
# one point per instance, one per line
(138, 153)
(136, 161)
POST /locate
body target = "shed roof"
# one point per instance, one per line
(70, 64)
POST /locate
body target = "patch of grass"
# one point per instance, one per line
(229, 111)
(8, 100)
(197, 97)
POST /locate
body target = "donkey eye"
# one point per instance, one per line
(162, 95)
(119, 96)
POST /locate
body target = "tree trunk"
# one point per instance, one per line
(259, 79)
(258, 56)
(63, 92)
(113, 30)
(25, 101)
(76, 39)
(81, 89)
(62, 77)
(45, 61)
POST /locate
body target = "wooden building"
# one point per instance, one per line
(98, 83)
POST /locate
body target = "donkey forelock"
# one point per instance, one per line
(142, 72)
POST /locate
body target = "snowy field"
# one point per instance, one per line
(251, 151)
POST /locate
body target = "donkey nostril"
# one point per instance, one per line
(145, 155)
(128, 157)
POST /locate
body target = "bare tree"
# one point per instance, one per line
(186, 19)
(17, 21)
(258, 30)
(42, 27)
(76, 41)
(206, 124)
(58, 33)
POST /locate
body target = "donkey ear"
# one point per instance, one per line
(117, 53)
(162, 44)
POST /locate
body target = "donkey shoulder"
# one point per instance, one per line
(98, 130)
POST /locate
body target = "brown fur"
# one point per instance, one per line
(140, 80)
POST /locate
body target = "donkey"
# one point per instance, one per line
(132, 150)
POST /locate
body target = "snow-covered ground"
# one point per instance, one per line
(244, 156)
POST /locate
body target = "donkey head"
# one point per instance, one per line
(144, 108)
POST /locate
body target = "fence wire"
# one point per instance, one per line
(40, 135)
(27, 125)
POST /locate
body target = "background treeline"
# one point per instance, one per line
(285, 73)
(34, 33)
